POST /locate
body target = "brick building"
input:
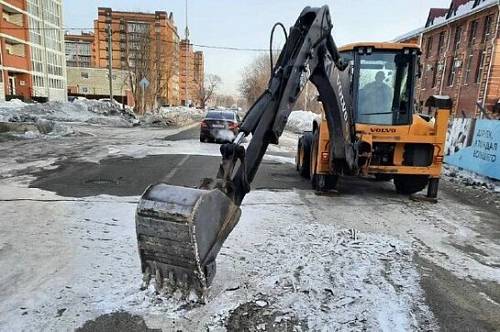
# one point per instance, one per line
(147, 45)
(191, 73)
(461, 55)
(32, 62)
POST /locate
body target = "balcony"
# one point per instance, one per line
(13, 22)
(16, 55)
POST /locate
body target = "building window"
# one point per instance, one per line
(480, 66)
(441, 42)
(452, 70)
(468, 67)
(434, 75)
(472, 33)
(487, 27)
(458, 38)
(428, 49)
(85, 75)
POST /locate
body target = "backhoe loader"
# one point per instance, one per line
(181, 230)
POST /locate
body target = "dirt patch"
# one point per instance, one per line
(119, 322)
(259, 316)
(457, 303)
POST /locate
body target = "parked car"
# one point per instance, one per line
(219, 126)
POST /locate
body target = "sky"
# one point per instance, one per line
(247, 24)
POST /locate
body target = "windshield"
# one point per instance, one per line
(384, 88)
(220, 116)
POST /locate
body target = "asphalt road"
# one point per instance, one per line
(127, 176)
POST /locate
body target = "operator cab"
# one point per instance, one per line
(383, 77)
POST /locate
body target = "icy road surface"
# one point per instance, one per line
(361, 259)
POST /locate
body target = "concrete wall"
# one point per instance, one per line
(94, 81)
(474, 145)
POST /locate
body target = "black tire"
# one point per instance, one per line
(383, 177)
(305, 167)
(321, 182)
(297, 156)
(410, 184)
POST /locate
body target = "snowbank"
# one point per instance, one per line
(173, 116)
(53, 118)
(300, 121)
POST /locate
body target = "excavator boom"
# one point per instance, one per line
(181, 230)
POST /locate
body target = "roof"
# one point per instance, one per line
(435, 13)
(84, 37)
(409, 35)
(459, 9)
(378, 45)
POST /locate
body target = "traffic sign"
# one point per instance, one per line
(144, 83)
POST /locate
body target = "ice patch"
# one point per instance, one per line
(82, 257)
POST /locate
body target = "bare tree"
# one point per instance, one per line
(207, 90)
(152, 57)
(256, 78)
(224, 100)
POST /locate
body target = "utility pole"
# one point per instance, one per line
(110, 61)
(187, 57)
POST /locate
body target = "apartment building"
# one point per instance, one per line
(191, 73)
(32, 44)
(79, 50)
(144, 44)
(461, 56)
(15, 58)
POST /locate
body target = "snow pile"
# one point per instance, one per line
(465, 8)
(81, 110)
(52, 118)
(471, 179)
(300, 121)
(439, 20)
(173, 116)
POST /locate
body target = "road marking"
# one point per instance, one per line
(176, 168)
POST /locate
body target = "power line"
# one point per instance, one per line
(204, 46)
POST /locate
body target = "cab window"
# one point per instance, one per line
(384, 88)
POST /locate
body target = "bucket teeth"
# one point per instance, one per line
(180, 232)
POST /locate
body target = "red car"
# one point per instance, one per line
(219, 126)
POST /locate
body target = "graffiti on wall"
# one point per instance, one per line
(482, 154)
(460, 133)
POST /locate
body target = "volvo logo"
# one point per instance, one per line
(383, 130)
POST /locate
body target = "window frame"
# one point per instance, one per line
(452, 72)
(468, 68)
(480, 66)
(472, 33)
(457, 41)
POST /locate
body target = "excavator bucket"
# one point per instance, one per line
(180, 232)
